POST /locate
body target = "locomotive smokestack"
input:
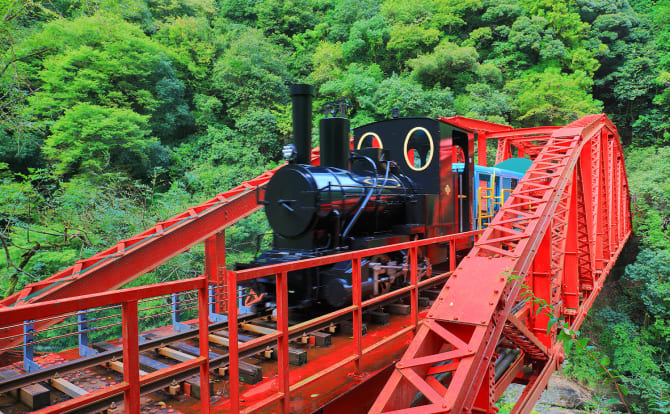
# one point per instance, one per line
(301, 95)
(334, 136)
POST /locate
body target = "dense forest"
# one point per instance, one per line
(116, 114)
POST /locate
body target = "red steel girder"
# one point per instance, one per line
(528, 141)
(130, 258)
(530, 240)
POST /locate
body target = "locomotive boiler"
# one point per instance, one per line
(394, 184)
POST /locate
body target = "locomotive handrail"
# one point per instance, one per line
(283, 332)
(256, 272)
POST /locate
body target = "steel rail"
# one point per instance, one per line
(106, 356)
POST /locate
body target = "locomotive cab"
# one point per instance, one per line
(424, 150)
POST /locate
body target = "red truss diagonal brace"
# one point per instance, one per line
(130, 258)
(558, 235)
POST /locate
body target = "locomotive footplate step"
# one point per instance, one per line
(348, 328)
(35, 396)
(378, 317)
(398, 309)
(321, 339)
(150, 365)
(249, 373)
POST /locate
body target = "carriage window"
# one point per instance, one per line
(369, 140)
(418, 148)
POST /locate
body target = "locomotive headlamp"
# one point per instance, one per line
(289, 152)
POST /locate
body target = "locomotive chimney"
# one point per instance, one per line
(334, 136)
(301, 95)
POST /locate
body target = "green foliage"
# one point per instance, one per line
(448, 66)
(649, 280)
(649, 180)
(326, 62)
(483, 101)
(356, 84)
(92, 139)
(128, 70)
(117, 114)
(401, 92)
(20, 151)
(195, 47)
(15, 197)
(346, 13)
(251, 73)
(552, 98)
(367, 41)
(280, 20)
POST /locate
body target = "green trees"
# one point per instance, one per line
(250, 73)
(633, 329)
(448, 66)
(127, 70)
(93, 139)
(182, 99)
(552, 98)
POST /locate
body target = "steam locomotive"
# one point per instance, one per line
(399, 183)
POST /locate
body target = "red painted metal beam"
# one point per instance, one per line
(564, 223)
(130, 258)
(531, 238)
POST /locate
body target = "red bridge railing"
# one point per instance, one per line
(128, 299)
(559, 233)
(284, 331)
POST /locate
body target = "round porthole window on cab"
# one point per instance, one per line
(418, 148)
(369, 140)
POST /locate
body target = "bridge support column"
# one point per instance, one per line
(215, 270)
(482, 149)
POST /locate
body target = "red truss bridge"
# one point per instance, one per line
(451, 340)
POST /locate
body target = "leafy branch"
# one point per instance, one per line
(566, 334)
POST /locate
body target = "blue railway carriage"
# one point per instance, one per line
(492, 186)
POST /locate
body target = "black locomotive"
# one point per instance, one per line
(395, 185)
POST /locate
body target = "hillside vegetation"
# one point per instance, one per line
(116, 114)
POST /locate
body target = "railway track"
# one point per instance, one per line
(64, 379)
